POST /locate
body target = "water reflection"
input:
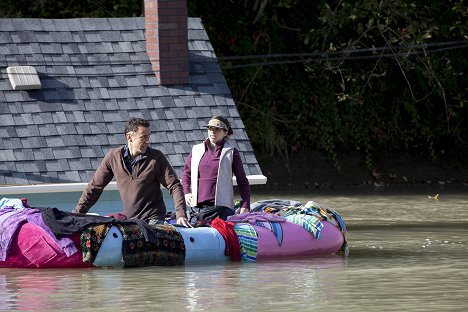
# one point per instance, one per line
(190, 288)
(251, 286)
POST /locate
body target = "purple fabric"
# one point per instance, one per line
(11, 219)
(208, 172)
(253, 217)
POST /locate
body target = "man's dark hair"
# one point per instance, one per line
(133, 124)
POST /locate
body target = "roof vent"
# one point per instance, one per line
(23, 77)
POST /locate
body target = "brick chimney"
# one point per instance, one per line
(167, 40)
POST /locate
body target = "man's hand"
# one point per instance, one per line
(184, 221)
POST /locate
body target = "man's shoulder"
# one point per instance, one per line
(114, 151)
(154, 153)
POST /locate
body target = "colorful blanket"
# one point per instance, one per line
(248, 241)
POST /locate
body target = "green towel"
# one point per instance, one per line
(247, 237)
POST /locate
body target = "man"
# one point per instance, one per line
(139, 171)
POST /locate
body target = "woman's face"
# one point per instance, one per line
(215, 134)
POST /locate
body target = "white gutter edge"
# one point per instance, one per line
(79, 187)
(48, 188)
(253, 179)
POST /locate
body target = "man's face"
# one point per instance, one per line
(139, 141)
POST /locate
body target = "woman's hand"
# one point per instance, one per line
(242, 210)
(190, 200)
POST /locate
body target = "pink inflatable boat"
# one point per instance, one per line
(248, 237)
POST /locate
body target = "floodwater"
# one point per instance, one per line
(408, 252)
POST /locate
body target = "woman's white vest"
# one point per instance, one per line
(224, 195)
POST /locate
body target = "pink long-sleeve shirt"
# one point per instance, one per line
(208, 172)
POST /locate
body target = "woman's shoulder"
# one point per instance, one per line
(199, 146)
(229, 144)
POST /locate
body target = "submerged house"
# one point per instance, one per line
(67, 87)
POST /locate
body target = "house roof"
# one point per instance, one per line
(95, 75)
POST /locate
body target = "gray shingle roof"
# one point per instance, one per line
(95, 75)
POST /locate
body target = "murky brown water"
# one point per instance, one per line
(408, 252)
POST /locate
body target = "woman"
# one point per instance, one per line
(208, 171)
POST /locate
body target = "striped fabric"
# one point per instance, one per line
(248, 241)
(311, 223)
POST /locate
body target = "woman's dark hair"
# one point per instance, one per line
(225, 121)
(133, 124)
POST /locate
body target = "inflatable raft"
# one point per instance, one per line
(48, 238)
